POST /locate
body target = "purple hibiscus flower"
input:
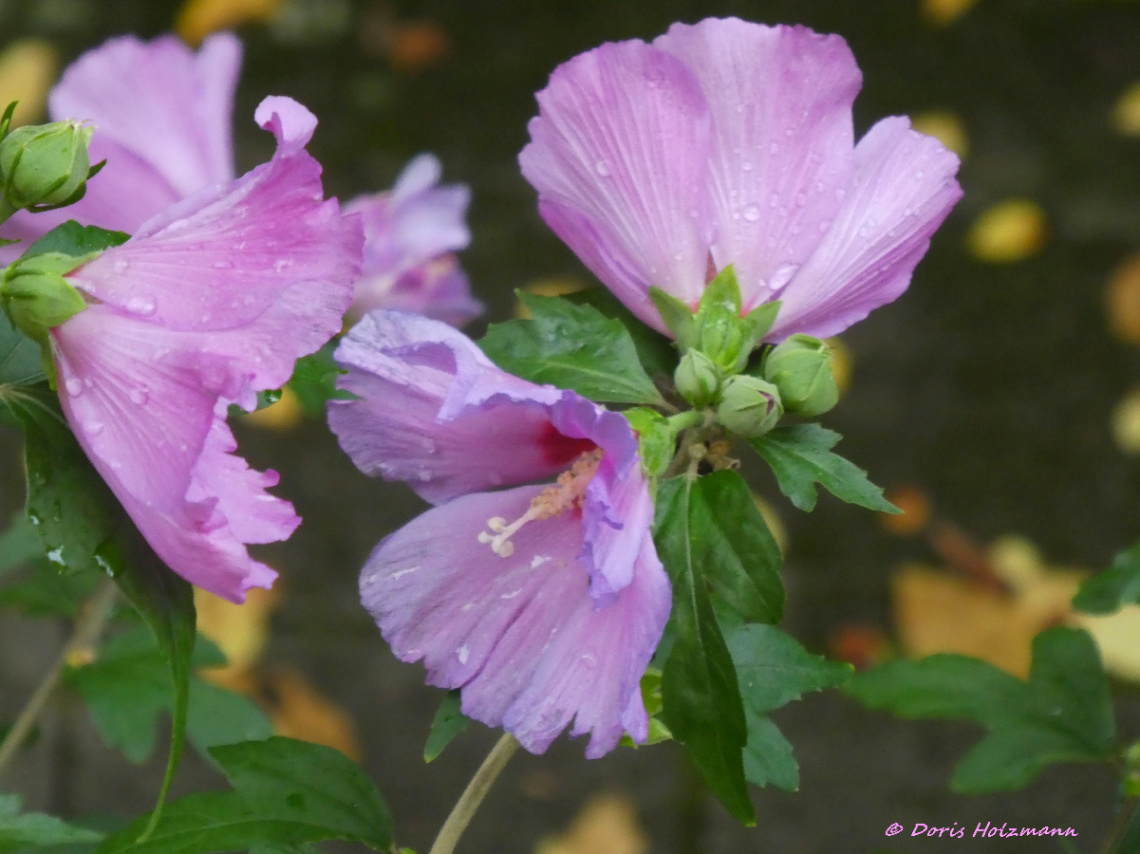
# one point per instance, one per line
(162, 117)
(728, 142)
(210, 302)
(543, 603)
(411, 234)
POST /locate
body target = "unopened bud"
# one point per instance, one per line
(43, 164)
(800, 368)
(749, 406)
(36, 296)
(697, 378)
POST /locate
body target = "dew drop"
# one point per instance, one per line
(602, 168)
(223, 265)
(824, 226)
(774, 200)
(74, 386)
(789, 132)
(919, 175)
(773, 148)
(839, 194)
(141, 305)
(139, 396)
(282, 264)
(746, 165)
(752, 213)
(120, 266)
(93, 428)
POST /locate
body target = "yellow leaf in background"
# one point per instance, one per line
(1118, 637)
(1126, 111)
(552, 287)
(300, 711)
(1008, 231)
(775, 523)
(1122, 300)
(198, 18)
(27, 70)
(938, 612)
(942, 12)
(283, 415)
(944, 126)
(1126, 423)
(842, 363)
(607, 824)
(240, 631)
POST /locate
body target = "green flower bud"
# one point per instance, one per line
(36, 296)
(43, 164)
(749, 406)
(800, 368)
(697, 378)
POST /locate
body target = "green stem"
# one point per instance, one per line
(468, 803)
(87, 631)
(684, 420)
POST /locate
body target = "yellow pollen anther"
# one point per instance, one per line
(566, 494)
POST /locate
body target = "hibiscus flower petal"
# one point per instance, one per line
(520, 635)
(427, 396)
(780, 100)
(229, 259)
(902, 190)
(618, 154)
(144, 405)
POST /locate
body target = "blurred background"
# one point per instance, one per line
(998, 400)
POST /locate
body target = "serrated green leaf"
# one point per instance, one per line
(657, 354)
(574, 347)
(800, 456)
(128, 687)
(1062, 714)
(448, 723)
(702, 704)
(732, 547)
(1115, 587)
(20, 831)
(768, 755)
(285, 793)
(41, 590)
(773, 669)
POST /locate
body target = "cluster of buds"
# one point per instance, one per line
(718, 370)
(42, 167)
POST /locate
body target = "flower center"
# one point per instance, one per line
(567, 493)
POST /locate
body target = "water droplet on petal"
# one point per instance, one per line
(824, 226)
(602, 168)
(139, 396)
(282, 264)
(746, 165)
(223, 265)
(752, 213)
(839, 194)
(120, 265)
(141, 305)
(74, 386)
(773, 148)
(782, 276)
(93, 428)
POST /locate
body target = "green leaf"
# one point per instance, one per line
(1062, 714)
(285, 793)
(702, 704)
(1129, 841)
(128, 686)
(43, 591)
(571, 346)
(449, 722)
(18, 544)
(314, 380)
(76, 241)
(656, 440)
(773, 670)
(800, 456)
(657, 354)
(1115, 587)
(20, 831)
(19, 358)
(732, 547)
